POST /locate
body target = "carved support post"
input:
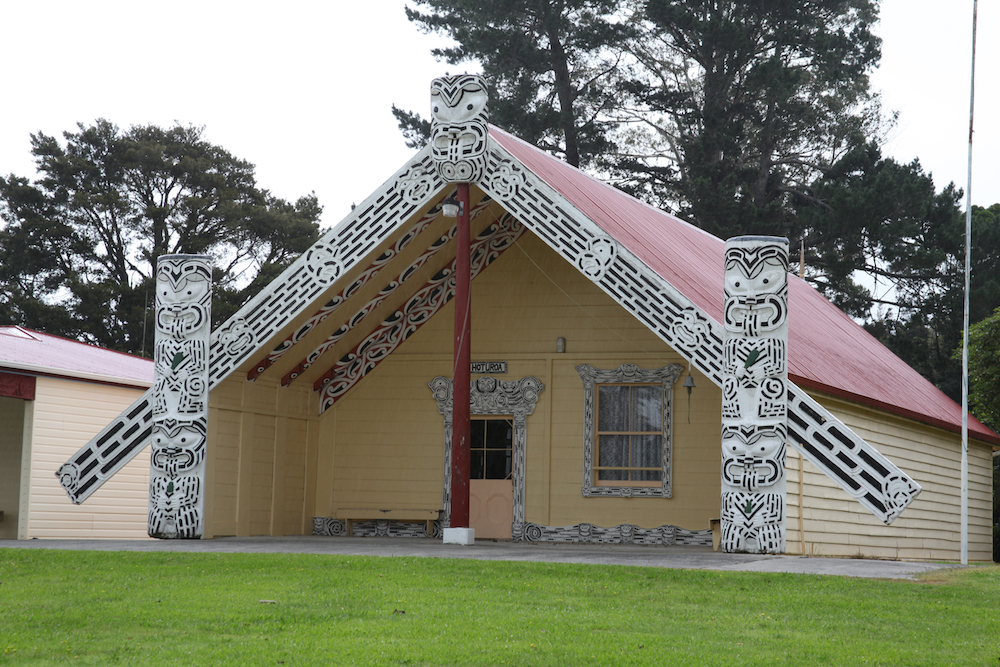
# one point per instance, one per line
(180, 396)
(755, 394)
(463, 356)
(459, 114)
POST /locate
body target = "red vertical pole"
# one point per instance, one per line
(463, 356)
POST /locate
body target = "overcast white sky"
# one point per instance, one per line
(303, 89)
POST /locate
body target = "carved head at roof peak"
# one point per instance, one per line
(459, 117)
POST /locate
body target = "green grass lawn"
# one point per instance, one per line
(122, 608)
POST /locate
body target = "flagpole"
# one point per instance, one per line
(965, 321)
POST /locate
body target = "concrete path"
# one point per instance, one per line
(678, 557)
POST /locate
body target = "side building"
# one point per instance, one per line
(54, 394)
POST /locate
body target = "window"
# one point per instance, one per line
(627, 420)
(629, 435)
(490, 448)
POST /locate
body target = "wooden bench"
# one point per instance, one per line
(351, 514)
(716, 526)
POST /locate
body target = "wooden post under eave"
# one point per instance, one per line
(463, 356)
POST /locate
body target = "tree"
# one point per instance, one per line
(549, 63)
(984, 397)
(984, 369)
(78, 252)
(874, 217)
(736, 107)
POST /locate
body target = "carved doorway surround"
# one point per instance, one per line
(491, 396)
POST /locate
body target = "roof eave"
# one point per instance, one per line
(82, 376)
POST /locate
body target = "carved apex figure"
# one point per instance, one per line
(459, 114)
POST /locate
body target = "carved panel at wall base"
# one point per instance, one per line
(581, 533)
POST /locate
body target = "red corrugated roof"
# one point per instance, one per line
(33, 352)
(828, 351)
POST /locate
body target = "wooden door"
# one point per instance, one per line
(491, 491)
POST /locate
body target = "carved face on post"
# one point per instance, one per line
(756, 289)
(459, 113)
(184, 296)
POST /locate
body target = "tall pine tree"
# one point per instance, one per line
(549, 63)
(736, 107)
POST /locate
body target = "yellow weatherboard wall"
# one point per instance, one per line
(834, 524)
(262, 444)
(384, 441)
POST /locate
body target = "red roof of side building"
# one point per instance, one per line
(828, 351)
(36, 353)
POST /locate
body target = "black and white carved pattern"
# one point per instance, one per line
(417, 311)
(323, 263)
(295, 290)
(459, 127)
(858, 468)
(365, 310)
(651, 299)
(183, 390)
(183, 297)
(665, 377)
(503, 176)
(750, 360)
(753, 523)
(755, 377)
(418, 182)
(176, 507)
(489, 396)
(109, 451)
(756, 285)
(180, 396)
(179, 448)
(328, 526)
(338, 300)
(626, 533)
(385, 292)
(753, 456)
(344, 246)
(755, 371)
(598, 258)
(581, 533)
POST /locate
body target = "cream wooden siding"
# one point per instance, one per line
(261, 455)
(11, 444)
(836, 525)
(67, 414)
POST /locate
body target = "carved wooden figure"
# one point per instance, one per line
(459, 116)
(180, 396)
(755, 394)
